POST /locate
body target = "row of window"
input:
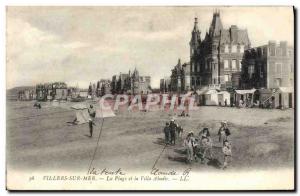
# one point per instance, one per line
(280, 52)
(251, 71)
(276, 68)
(226, 77)
(196, 68)
(195, 81)
(234, 49)
(233, 64)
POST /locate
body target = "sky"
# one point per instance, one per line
(79, 45)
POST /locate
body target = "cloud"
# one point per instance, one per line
(75, 45)
(84, 44)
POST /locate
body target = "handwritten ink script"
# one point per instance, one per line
(119, 175)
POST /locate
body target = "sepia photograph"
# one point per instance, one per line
(159, 98)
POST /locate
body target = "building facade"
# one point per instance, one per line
(26, 95)
(180, 77)
(51, 91)
(165, 85)
(103, 87)
(218, 56)
(215, 61)
(131, 83)
(269, 66)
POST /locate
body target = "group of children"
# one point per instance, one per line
(172, 132)
(200, 146)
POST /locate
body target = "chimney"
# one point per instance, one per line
(272, 47)
(283, 46)
(233, 32)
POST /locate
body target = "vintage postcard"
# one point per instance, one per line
(150, 98)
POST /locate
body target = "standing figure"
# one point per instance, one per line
(227, 154)
(205, 144)
(189, 144)
(204, 133)
(179, 132)
(91, 124)
(167, 133)
(173, 128)
(92, 114)
(223, 132)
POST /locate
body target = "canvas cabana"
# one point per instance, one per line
(245, 95)
(224, 97)
(200, 97)
(211, 97)
(284, 97)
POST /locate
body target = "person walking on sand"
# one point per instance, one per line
(173, 128)
(224, 132)
(205, 144)
(167, 133)
(92, 114)
(227, 154)
(189, 144)
(179, 132)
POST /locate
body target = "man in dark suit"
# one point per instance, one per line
(92, 114)
(173, 128)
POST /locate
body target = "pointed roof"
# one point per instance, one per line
(179, 64)
(216, 25)
(135, 73)
(234, 35)
(196, 29)
(196, 33)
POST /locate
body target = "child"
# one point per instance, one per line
(227, 154)
(189, 143)
(206, 145)
(179, 132)
(223, 132)
(204, 133)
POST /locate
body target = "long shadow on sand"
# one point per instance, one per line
(182, 158)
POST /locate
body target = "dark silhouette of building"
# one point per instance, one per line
(218, 56)
(268, 66)
(215, 61)
(131, 83)
(51, 91)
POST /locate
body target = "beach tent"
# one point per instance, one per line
(79, 106)
(82, 116)
(81, 112)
